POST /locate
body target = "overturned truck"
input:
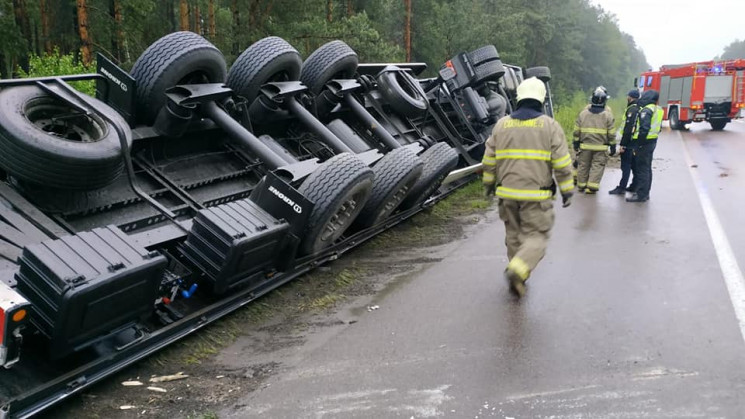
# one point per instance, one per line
(186, 190)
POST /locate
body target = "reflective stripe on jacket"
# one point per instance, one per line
(595, 131)
(649, 122)
(522, 156)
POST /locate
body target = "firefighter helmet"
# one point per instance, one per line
(531, 88)
(599, 97)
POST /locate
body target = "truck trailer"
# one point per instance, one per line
(185, 190)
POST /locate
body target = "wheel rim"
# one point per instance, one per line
(396, 199)
(58, 119)
(342, 218)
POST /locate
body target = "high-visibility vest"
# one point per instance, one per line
(622, 127)
(656, 124)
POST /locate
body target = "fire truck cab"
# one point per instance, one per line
(711, 91)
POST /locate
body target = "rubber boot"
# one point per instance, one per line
(517, 285)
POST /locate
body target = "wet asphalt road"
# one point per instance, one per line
(629, 316)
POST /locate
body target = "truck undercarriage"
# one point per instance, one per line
(186, 191)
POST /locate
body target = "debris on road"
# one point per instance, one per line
(372, 308)
(157, 389)
(167, 378)
(132, 383)
(127, 407)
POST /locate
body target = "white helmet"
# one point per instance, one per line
(531, 88)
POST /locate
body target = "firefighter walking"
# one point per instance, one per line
(593, 134)
(644, 140)
(524, 152)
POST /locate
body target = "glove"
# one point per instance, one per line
(576, 146)
(566, 199)
(575, 163)
(613, 150)
(490, 190)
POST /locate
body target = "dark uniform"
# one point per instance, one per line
(627, 152)
(644, 141)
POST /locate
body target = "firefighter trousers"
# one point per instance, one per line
(591, 168)
(528, 226)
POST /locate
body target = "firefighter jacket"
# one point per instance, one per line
(629, 123)
(594, 130)
(522, 155)
(649, 123)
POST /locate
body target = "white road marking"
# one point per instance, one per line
(727, 262)
(544, 394)
(424, 403)
(660, 372)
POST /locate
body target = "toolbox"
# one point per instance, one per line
(90, 284)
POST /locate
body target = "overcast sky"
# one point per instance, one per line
(679, 31)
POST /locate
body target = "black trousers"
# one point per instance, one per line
(642, 167)
(627, 160)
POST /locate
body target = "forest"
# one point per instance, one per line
(581, 42)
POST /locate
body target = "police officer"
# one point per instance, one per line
(525, 150)
(644, 141)
(626, 130)
(593, 134)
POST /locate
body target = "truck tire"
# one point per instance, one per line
(177, 58)
(541, 73)
(267, 60)
(403, 93)
(333, 60)
(438, 160)
(395, 176)
(339, 189)
(76, 152)
(488, 71)
(718, 124)
(483, 55)
(673, 119)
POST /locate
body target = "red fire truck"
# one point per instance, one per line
(712, 91)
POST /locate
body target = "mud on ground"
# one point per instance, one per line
(238, 353)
